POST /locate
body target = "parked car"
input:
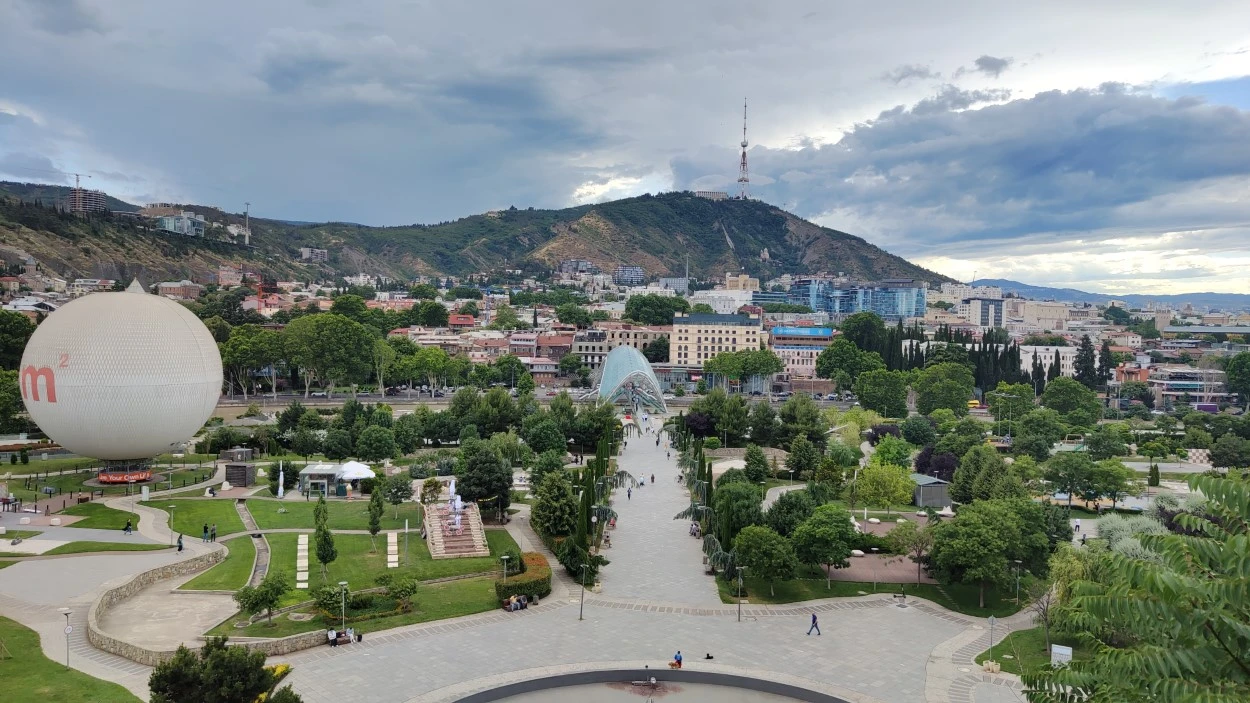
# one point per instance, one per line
(317, 394)
(669, 396)
(439, 394)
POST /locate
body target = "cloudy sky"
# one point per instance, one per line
(1103, 146)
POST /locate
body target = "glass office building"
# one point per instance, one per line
(890, 300)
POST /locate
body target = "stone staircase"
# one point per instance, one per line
(443, 541)
(261, 566)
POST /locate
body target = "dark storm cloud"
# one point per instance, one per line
(909, 72)
(992, 65)
(35, 167)
(63, 16)
(1060, 165)
(951, 98)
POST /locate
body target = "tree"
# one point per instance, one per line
(486, 478)
(756, 468)
(1071, 473)
(573, 314)
(790, 509)
(825, 538)
(1236, 375)
(555, 506)
(1010, 402)
(1169, 628)
(893, 450)
(545, 435)
(766, 554)
(911, 539)
(383, 359)
(351, 307)
(883, 392)
(804, 456)
(1106, 363)
(1085, 364)
(763, 422)
(966, 434)
(1112, 479)
(305, 443)
(974, 547)
(337, 445)
(654, 309)
(884, 485)
(865, 329)
(375, 517)
(423, 291)
(1230, 451)
(217, 673)
(549, 462)
(1104, 442)
(844, 356)
(431, 314)
(265, 597)
(946, 385)
(15, 331)
(376, 443)
(326, 551)
(397, 489)
(1152, 478)
(1067, 397)
(328, 348)
(657, 351)
(736, 505)
(431, 489)
(703, 308)
(918, 430)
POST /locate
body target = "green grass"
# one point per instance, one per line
(24, 534)
(6, 564)
(99, 516)
(190, 515)
(343, 515)
(82, 547)
(960, 598)
(433, 602)
(360, 568)
(30, 676)
(76, 482)
(50, 465)
(1027, 649)
(230, 574)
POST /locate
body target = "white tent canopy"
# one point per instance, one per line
(354, 470)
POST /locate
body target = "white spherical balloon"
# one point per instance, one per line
(121, 376)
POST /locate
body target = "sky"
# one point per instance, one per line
(1102, 146)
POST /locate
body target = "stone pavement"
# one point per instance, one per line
(777, 491)
(653, 557)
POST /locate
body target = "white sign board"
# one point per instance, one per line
(1060, 655)
(145, 493)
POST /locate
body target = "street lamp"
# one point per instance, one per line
(791, 477)
(740, 568)
(68, 629)
(874, 570)
(343, 605)
(581, 606)
(505, 568)
(1017, 583)
(171, 524)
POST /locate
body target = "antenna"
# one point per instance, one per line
(743, 180)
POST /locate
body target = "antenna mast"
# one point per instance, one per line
(743, 180)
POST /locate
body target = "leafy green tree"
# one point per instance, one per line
(1071, 400)
(555, 507)
(944, 385)
(549, 462)
(825, 538)
(1196, 438)
(702, 308)
(803, 457)
(974, 548)
(351, 307)
(1229, 451)
(654, 309)
(486, 478)
(337, 445)
(410, 430)
(842, 355)
(1010, 402)
(265, 597)
(790, 509)
(15, 331)
(736, 505)
(966, 434)
(1236, 375)
(918, 430)
(756, 469)
(765, 554)
(376, 443)
(326, 551)
(423, 291)
(865, 329)
(800, 416)
(397, 489)
(305, 443)
(375, 517)
(657, 351)
(1071, 473)
(217, 673)
(328, 348)
(883, 392)
(573, 314)
(1104, 442)
(913, 540)
(1106, 363)
(763, 422)
(1043, 422)
(1172, 627)
(884, 485)
(893, 450)
(505, 318)
(545, 436)
(1152, 478)
(979, 469)
(1112, 479)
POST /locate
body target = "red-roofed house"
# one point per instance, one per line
(554, 346)
(543, 370)
(10, 284)
(461, 322)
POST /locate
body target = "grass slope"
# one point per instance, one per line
(1027, 651)
(343, 515)
(230, 574)
(30, 676)
(99, 516)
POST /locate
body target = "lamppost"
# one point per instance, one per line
(343, 606)
(505, 568)
(171, 524)
(874, 570)
(582, 604)
(1017, 583)
(740, 568)
(68, 629)
(791, 477)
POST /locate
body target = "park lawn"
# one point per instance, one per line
(37, 466)
(343, 514)
(436, 601)
(960, 598)
(22, 534)
(183, 478)
(167, 459)
(87, 546)
(1027, 649)
(360, 568)
(230, 574)
(190, 515)
(30, 676)
(99, 516)
(6, 564)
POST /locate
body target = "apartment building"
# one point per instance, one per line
(592, 346)
(179, 290)
(1045, 315)
(187, 224)
(310, 254)
(953, 293)
(698, 337)
(1181, 384)
(798, 347)
(83, 286)
(722, 302)
(629, 275)
(986, 313)
(890, 299)
(741, 281)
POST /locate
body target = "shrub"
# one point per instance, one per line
(516, 562)
(865, 541)
(534, 582)
(367, 485)
(419, 471)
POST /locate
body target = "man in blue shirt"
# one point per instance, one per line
(814, 626)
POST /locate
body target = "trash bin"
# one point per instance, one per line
(341, 490)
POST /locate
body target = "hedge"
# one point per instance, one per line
(534, 583)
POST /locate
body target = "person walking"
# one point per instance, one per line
(204, 538)
(180, 543)
(212, 533)
(629, 493)
(128, 529)
(1077, 527)
(652, 478)
(815, 626)
(677, 660)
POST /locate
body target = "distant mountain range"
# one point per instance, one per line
(1220, 301)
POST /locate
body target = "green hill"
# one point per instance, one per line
(656, 232)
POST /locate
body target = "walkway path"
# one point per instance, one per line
(260, 566)
(653, 557)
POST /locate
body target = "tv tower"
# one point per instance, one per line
(743, 179)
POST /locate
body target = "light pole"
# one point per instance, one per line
(1017, 583)
(791, 477)
(505, 568)
(171, 524)
(343, 606)
(582, 604)
(740, 568)
(68, 629)
(874, 569)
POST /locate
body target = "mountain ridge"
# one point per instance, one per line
(1226, 301)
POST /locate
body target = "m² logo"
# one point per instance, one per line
(30, 378)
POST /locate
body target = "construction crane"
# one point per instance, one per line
(76, 201)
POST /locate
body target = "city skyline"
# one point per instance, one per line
(1063, 146)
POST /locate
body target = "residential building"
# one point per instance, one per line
(83, 286)
(187, 224)
(680, 285)
(1125, 339)
(81, 200)
(712, 194)
(179, 290)
(542, 369)
(1181, 384)
(1163, 318)
(228, 277)
(591, 347)
(722, 302)
(1046, 315)
(798, 347)
(741, 281)
(265, 304)
(1045, 354)
(30, 306)
(698, 337)
(575, 266)
(986, 313)
(652, 289)
(628, 275)
(310, 254)
(362, 279)
(523, 344)
(954, 293)
(10, 284)
(457, 321)
(889, 299)
(555, 346)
